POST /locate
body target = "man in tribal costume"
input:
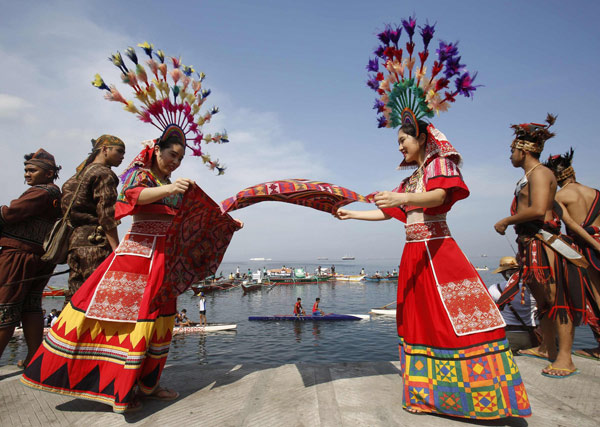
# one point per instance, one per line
(550, 267)
(24, 224)
(92, 191)
(581, 205)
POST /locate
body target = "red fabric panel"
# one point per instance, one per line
(313, 194)
(397, 213)
(82, 298)
(421, 317)
(196, 243)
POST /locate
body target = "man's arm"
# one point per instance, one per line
(104, 193)
(578, 229)
(33, 202)
(112, 236)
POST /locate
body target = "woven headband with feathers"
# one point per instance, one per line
(536, 133)
(407, 94)
(559, 163)
(155, 105)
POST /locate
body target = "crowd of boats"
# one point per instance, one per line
(253, 281)
(261, 278)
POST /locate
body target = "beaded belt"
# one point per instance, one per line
(427, 230)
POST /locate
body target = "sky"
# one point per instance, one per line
(289, 79)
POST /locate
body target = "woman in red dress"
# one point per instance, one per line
(454, 356)
(107, 340)
(111, 342)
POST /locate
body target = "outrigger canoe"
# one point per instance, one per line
(252, 287)
(211, 327)
(352, 278)
(381, 278)
(383, 311)
(326, 317)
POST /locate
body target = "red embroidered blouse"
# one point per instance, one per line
(130, 193)
(440, 172)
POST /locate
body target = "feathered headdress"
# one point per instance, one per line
(166, 105)
(407, 93)
(532, 136)
(561, 165)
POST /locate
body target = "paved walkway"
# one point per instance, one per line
(338, 394)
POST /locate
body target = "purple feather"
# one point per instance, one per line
(373, 65)
(453, 67)
(379, 51)
(427, 32)
(373, 83)
(384, 36)
(395, 35)
(465, 86)
(379, 105)
(381, 122)
(447, 50)
(409, 26)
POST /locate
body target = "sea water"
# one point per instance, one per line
(289, 341)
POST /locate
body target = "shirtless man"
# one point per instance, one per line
(532, 213)
(582, 207)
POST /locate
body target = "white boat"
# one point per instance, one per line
(211, 327)
(351, 278)
(383, 311)
(347, 258)
(361, 316)
(486, 268)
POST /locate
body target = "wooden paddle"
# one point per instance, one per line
(387, 305)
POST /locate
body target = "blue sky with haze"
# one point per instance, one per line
(289, 78)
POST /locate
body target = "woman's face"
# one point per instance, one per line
(169, 159)
(411, 147)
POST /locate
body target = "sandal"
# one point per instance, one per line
(162, 393)
(530, 352)
(134, 406)
(588, 353)
(568, 372)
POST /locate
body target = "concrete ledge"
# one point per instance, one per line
(337, 394)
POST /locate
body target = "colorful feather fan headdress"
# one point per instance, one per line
(561, 165)
(532, 136)
(155, 105)
(407, 94)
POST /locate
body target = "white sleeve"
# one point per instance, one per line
(495, 291)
